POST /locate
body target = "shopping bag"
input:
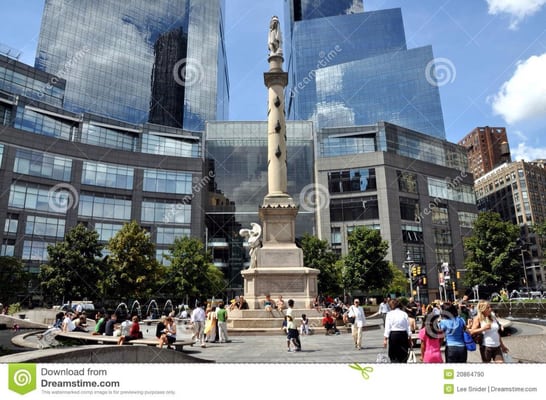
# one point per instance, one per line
(382, 358)
(412, 358)
(507, 358)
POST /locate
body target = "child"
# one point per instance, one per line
(292, 334)
(304, 327)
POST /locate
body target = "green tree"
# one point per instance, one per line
(135, 272)
(192, 272)
(13, 279)
(399, 283)
(318, 254)
(491, 252)
(365, 267)
(74, 266)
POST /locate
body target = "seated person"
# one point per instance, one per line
(268, 303)
(160, 328)
(68, 324)
(328, 323)
(101, 324)
(243, 305)
(80, 322)
(280, 304)
(169, 333)
(111, 325)
(134, 332)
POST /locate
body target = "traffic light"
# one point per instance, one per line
(458, 275)
(453, 285)
(414, 271)
(424, 280)
(418, 270)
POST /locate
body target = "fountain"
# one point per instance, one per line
(139, 313)
(166, 308)
(154, 315)
(121, 306)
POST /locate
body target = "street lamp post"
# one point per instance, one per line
(524, 270)
(408, 264)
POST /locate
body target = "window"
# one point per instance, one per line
(167, 234)
(167, 181)
(42, 226)
(108, 175)
(353, 180)
(166, 212)
(409, 209)
(36, 163)
(407, 182)
(354, 209)
(100, 206)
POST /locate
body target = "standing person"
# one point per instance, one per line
(384, 309)
(453, 327)
(357, 312)
(134, 332)
(198, 321)
(304, 325)
(222, 317)
(210, 325)
(412, 309)
(487, 324)
(431, 337)
(292, 329)
(397, 333)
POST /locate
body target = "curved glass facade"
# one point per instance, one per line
(348, 70)
(138, 61)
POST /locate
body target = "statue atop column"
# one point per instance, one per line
(275, 37)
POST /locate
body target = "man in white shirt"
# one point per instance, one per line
(198, 321)
(360, 320)
(68, 324)
(384, 309)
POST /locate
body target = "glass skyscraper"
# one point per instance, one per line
(348, 67)
(140, 61)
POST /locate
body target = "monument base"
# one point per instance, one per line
(296, 283)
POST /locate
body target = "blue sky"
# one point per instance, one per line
(492, 54)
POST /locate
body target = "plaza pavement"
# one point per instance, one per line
(527, 343)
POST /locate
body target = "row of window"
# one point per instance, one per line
(36, 163)
(96, 206)
(33, 121)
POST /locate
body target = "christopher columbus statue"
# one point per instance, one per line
(275, 39)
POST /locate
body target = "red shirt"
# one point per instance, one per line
(327, 320)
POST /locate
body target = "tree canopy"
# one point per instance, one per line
(318, 254)
(134, 271)
(365, 267)
(191, 272)
(492, 256)
(13, 279)
(74, 266)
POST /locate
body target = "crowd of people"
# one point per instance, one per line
(439, 327)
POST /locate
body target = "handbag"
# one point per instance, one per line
(478, 338)
(412, 358)
(469, 341)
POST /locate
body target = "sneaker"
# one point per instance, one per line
(289, 351)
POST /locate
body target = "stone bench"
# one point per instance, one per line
(178, 345)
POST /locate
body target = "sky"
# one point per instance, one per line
(490, 59)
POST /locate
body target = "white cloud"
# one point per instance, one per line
(523, 96)
(524, 152)
(518, 9)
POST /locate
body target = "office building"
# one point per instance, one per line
(236, 155)
(487, 148)
(517, 191)
(140, 61)
(59, 168)
(350, 68)
(413, 188)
